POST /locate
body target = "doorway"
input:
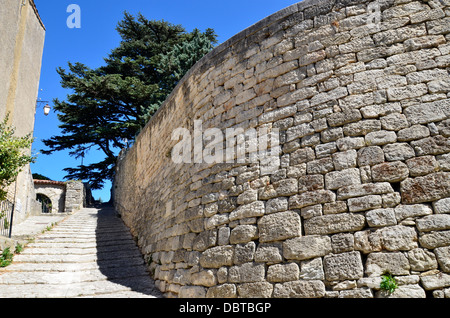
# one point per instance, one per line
(45, 202)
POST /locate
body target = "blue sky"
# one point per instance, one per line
(97, 37)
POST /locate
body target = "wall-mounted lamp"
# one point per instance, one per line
(47, 108)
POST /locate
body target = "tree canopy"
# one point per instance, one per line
(110, 104)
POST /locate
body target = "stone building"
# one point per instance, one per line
(21, 48)
(58, 197)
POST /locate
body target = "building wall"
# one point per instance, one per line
(75, 196)
(67, 197)
(55, 192)
(362, 180)
(21, 48)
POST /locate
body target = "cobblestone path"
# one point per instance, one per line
(89, 254)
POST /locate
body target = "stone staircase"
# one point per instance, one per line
(89, 254)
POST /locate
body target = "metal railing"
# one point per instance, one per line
(6, 218)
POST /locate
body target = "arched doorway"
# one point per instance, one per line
(45, 202)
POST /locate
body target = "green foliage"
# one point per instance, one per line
(113, 102)
(37, 176)
(388, 283)
(19, 248)
(6, 257)
(12, 156)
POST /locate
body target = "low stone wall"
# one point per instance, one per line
(358, 92)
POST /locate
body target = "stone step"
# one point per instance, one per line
(134, 286)
(122, 264)
(88, 254)
(51, 277)
(84, 258)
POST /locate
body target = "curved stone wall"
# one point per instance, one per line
(357, 93)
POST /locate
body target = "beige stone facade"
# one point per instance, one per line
(21, 48)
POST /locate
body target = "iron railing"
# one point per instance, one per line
(6, 218)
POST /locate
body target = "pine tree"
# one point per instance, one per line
(112, 103)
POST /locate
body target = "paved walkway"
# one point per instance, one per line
(88, 254)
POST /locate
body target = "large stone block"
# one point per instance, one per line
(398, 151)
(367, 241)
(344, 266)
(248, 210)
(413, 133)
(359, 190)
(369, 156)
(390, 171)
(442, 206)
(192, 292)
(222, 291)
(243, 234)
(246, 273)
(255, 290)
(270, 253)
(427, 112)
(396, 263)
(337, 179)
(422, 260)
(300, 289)
(437, 222)
(435, 145)
(381, 217)
(406, 211)
(435, 239)
(306, 247)
(381, 137)
(279, 226)
(311, 198)
(342, 118)
(443, 258)
(398, 238)
(217, 257)
(205, 278)
(334, 223)
(436, 281)
(424, 189)
(364, 203)
(280, 273)
(421, 166)
(244, 253)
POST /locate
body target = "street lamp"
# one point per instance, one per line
(47, 108)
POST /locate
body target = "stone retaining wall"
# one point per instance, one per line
(359, 92)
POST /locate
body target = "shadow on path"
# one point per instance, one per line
(118, 257)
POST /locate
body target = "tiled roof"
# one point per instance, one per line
(49, 182)
(33, 5)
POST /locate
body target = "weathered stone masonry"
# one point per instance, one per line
(363, 106)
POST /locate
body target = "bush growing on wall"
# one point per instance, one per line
(12, 156)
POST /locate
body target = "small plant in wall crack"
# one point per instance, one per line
(388, 283)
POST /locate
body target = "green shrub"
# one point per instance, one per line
(12, 156)
(6, 257)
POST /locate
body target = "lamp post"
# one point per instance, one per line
(47, 108)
